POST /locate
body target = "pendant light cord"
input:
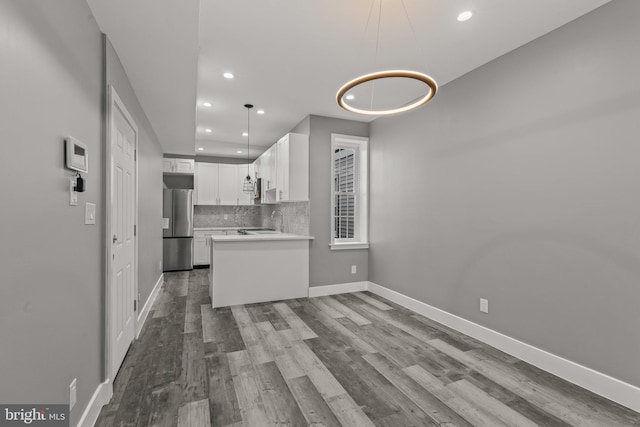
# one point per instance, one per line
(248, 137)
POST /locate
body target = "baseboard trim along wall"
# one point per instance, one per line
(342, 288)
(142, 316)
(100, 397)
(594, 381)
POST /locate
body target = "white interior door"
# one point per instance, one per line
(122, 292)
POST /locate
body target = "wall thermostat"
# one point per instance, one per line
(76, 155)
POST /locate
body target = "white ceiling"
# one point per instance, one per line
(290, 57)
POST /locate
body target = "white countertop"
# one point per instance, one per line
(225, 228)
(259, 237)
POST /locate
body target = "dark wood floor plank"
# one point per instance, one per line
(430, 404)
(194, 373)
(280, 406)
(313, 407)
(275, 317)
(322, 325)
(227, 330)
(339, 365)
(294, 321)
(405, 412)
(514, 401)
(223, 402)
(165, 402)
(344, 360)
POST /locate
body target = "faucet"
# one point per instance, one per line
(282, 223)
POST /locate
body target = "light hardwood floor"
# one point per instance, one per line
(345, 360)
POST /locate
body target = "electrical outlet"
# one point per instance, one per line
(226, 216)
(73, 194)
(72, 394)
(354, 269)
(484, 305)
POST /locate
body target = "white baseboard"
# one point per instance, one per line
(142, 316)
(100, 397)
(594, 381)
(342, 288)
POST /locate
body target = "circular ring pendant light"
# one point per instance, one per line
(403, 74)
(427, 80)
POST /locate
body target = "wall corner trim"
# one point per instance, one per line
(100, 397)
(342, 288)
(623, 393)
(142, 317)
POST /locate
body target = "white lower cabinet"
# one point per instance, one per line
(201, 244)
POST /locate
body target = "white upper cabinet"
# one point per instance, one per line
(206, 184)
(178, 166)
(221, 184)
(292, 168)
(284, 169)
(228, 184)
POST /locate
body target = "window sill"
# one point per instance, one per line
(343, 246)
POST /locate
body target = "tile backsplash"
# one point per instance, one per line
(294, 214)
(227, 216)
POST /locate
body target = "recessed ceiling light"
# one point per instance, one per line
(260, 111)
(206, 104)
(207, 130)
(350, 97)
(228, 75)
(239, 151)
(245, 134)
(200, 149)
(465, 16)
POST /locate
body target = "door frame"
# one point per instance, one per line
(113, 100)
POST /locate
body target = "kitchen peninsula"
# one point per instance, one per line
(257, 267)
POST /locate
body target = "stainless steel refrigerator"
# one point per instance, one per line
(177, 233)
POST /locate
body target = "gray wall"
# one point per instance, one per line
(519, 183)
(50, 298)
(327, 267)
(149, 179)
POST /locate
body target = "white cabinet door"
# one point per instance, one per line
(200, 250)
(167, 165)
(228, 184)
(178, 166)
(184, 166)
(282, 169)
(268, 164)
(206, 183)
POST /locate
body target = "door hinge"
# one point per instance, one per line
(135, 230)
(135, 304)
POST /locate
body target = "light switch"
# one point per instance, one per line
(165, 223)
(90, 214)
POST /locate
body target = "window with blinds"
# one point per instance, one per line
(349, 218)
(345, 193)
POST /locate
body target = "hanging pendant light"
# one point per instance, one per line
(247, 185)
(343, 96)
